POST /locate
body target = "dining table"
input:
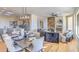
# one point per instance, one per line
(26, 43)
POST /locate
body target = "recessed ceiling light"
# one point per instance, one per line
(9, 12)
(5, 8)
(2, 10)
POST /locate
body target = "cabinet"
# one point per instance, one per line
(51, 23)
(55, 23)
(59, 24)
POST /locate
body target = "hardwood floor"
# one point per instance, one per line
(61, 47)
(2, 47)
(52, 47)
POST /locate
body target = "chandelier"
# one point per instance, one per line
(25, 15)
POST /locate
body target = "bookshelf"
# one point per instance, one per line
(51, 23)
(59, 24)
(55, 23)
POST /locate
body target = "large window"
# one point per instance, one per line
(78, 24)
(70, 23)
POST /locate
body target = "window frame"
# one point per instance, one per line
(72, 22)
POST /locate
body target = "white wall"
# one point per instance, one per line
(38, 22)
(4, 21)
(45, 23)
(33, 24)
(44, 19)
(75, 22)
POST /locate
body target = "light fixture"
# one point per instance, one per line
(8, 13)
(53, 14)
(25, 15)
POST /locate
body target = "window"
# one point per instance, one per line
(69, 23)
(78, 24)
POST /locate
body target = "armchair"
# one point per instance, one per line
(67, 37)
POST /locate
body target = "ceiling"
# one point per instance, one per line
(40, 11)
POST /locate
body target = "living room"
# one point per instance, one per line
(56, 26)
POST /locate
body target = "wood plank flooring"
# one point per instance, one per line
(52, 47)
(2, 47)
(61, 47)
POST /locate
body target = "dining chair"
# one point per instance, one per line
(21, 34)
(1, 32)
(38, 44)
(11, 47)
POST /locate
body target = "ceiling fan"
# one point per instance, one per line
(54, 14)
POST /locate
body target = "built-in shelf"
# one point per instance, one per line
(51, 23)
(55, 23)
(59, 24)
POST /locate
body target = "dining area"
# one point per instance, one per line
(19, 39)
(22, 41)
